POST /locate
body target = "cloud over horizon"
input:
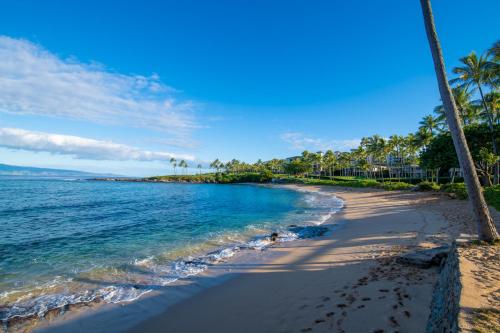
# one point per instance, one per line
(79, 147)
(301, 141)
(34, 81)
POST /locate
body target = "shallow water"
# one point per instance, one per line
(72, 241)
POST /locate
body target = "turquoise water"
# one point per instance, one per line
(73, 241)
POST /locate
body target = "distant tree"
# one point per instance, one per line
(199, 168)
(173, 162)
(216, 164)
(297, 167)
(183, 164)
(429, 124)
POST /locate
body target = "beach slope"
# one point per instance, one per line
(348, 281)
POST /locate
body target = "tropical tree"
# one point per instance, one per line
(183, 164)
(173, 162)
(216, 164)
(475, 73)
(429, 124)
(330, 161)
(467, 111)
(494, 53)
(486, 229)
(199, 166)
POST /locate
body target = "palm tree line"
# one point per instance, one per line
(397, 156)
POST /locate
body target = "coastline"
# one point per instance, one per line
(253, 251)
(329, 282)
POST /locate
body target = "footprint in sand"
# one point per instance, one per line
(393, 321)
(341, 305)
(308, 329)
(407, 313)
(320, 306)
(366, 299)
(318, 321)
(329, 314)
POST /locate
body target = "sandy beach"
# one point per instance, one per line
(347, 281)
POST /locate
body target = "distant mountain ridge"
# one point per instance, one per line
(16, 170)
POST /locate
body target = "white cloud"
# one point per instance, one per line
(300, 141)
(35, 81)
(78, 147)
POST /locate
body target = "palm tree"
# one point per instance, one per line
(429, 123)
(486, 228)
(199, 168)
(466, 109)
(475, 73)
(216, 164)
(330, 161)
(494, 53)
(173, 161)
(183, 164)
(493, 102)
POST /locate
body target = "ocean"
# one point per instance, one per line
(69, 241)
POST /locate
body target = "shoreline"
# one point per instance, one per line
(325, 283)
(253, 250)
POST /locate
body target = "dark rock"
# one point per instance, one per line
(274, 236)
(425, 258)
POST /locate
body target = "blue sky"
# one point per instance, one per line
(120, 88)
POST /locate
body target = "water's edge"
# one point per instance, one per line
(184, 268)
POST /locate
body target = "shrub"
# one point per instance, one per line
(394, 186)
(427, 186)
(492, 196)
(458, 189)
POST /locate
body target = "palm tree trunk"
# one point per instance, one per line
(486, 229)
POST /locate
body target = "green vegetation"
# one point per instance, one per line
(220, 178)
(428, 186)
(457, 189)
(492, 196)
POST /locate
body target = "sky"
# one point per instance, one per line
(122, 87)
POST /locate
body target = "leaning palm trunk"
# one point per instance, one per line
(486, 228)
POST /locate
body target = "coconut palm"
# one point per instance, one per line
(466, 110)
(330, 161)
(423, 137)
(173, 162)
(486, 228)
(429, 124)
(183, 164)
(493, 102)
(494, 53)
(199, 168)
(474, 74)
(216, 164)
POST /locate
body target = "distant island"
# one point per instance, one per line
(16, 170)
